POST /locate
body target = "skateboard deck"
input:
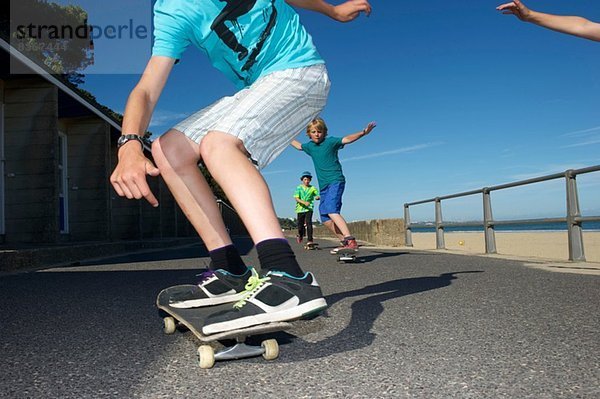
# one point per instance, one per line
(314, 245)
(193, 319)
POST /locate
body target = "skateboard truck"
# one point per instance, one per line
(268, 349)
(312, 245)
(207, 356)
(193, 320)
(347, 258)
(347, 255)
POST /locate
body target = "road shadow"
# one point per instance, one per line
(364, 312)
(193, 251)
(52, 309)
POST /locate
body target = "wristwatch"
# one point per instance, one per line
(128, 137)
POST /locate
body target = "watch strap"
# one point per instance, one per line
(128, 137)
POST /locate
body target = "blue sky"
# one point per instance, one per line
(463, 97)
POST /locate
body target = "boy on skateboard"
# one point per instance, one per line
(263, 48)
(305, 196)
(324, 152)
(571, 25)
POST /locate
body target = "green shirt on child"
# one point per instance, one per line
(307, 194)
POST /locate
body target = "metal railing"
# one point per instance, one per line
(573, 218)
(232, 220)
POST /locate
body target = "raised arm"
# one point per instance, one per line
(129, 176)
(351, 138)
(344, 12)
(296, 144)
(572, 25)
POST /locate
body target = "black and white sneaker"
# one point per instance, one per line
(275, 297)
(215, 287)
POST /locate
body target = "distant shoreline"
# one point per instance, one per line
(545, 228)
(446, 230)
(531, 243)
(429, 227)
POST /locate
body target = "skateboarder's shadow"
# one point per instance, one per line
(364, 312)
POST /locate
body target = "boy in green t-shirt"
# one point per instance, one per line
(305, 195)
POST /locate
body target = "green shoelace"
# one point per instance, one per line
(253, 284)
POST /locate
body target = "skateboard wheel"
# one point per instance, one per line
(206, 356)
(271, 349)
(170, 325)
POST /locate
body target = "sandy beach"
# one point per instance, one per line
(543, 245)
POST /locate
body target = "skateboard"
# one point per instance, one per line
(311, 246)
(346, 255)
(193, 319)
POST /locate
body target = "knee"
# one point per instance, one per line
(171, 152)
(215, 145)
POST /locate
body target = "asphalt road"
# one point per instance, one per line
(401, 324)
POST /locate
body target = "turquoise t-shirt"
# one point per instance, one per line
(305, 194)
(326, 161)
(244, 39)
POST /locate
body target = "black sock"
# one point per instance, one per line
(276, 254)
(227, 258)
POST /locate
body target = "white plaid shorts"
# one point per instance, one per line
(268, 114)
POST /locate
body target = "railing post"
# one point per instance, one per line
(574, 230)
(488, 223)
(439, 228)
(407, 229)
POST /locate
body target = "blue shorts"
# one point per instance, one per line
(331, 200)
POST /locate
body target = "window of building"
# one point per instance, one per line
(2, 223)
(63, 198)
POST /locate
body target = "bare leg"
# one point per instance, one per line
(340, 224)
(177, 158)
(227, 160)
(334, 229)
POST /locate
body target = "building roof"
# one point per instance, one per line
(63, 85)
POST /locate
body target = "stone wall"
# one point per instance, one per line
(387, 232)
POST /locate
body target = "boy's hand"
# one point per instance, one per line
(129, 177)
(350, 10)
(516, 8)
(370, 126)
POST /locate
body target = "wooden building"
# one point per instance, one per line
(57, 151)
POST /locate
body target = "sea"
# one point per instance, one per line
(426, 227)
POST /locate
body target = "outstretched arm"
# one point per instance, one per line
(296, 144)
(344, 12)
(351, 138)
(571, 25)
